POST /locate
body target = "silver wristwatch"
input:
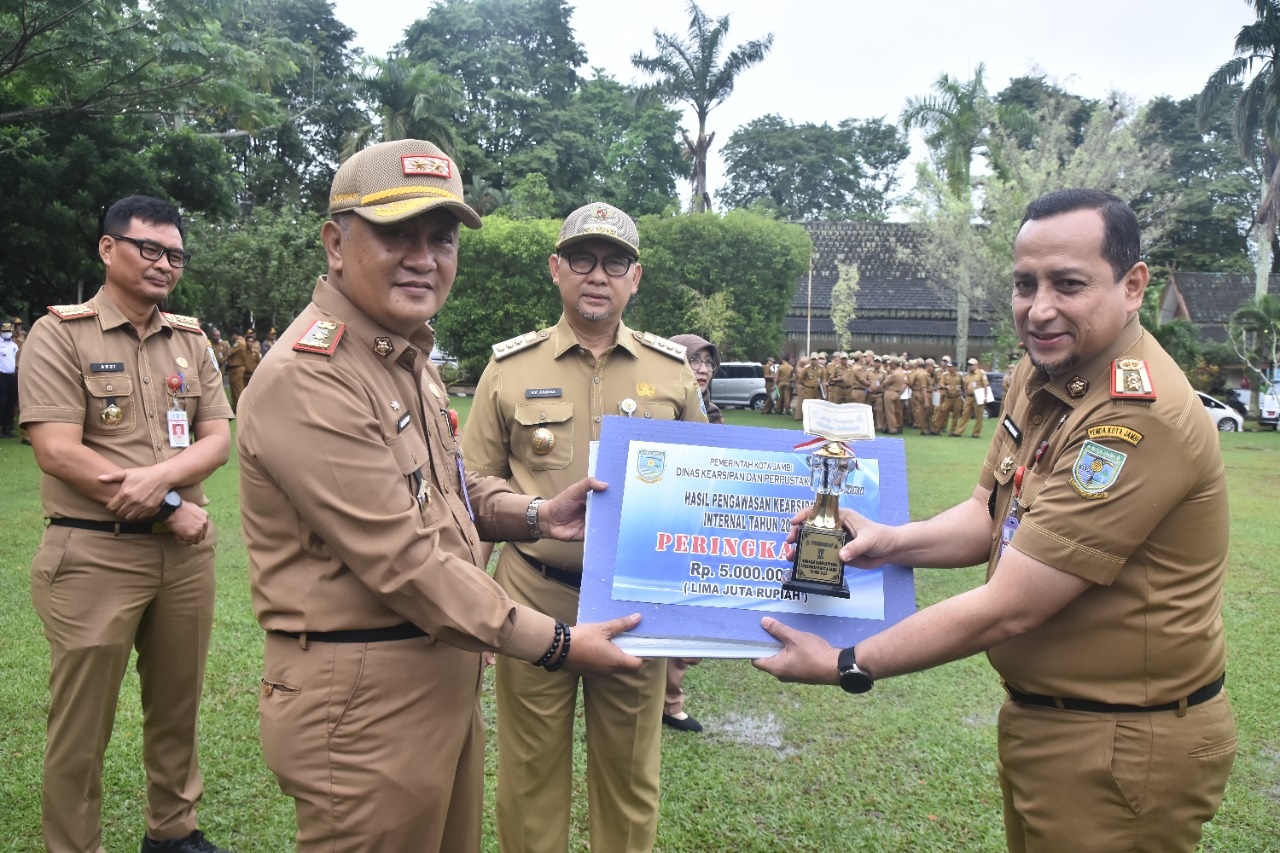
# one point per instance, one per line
(531, 518)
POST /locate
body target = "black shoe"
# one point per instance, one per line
(193, 843)
(687, 724)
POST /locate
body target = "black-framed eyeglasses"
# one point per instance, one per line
(584, 262)
(153, 251)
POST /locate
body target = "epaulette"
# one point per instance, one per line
(182, 321)
(73, 312)
(322, 337)
(662, 345)
(1130, 380)
(519, 342)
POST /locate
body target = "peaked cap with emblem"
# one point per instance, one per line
(393, 181)
(599, 221)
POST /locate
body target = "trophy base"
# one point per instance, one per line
(816, 588)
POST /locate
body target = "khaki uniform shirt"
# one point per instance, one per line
(237, 357)
(810, 377)
(1129, 494)
(785, 373)
(75, 370)
(221, 349)
(951, 384)
(335, 450)
(895, 383)
(920, 382)
(973, 380)
(252, 357)
(549, 385)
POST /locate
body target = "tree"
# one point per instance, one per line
(810, 171)
(410, 101)
(1261, 322)
(1257, 119)
(844, 303)
(531, 198)
(690, 72)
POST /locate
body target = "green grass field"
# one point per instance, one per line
(908, 767)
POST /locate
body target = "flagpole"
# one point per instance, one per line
(808, 317)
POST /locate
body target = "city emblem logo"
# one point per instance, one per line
(650, 465)
(1096, 469)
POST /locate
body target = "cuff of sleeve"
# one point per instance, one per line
(505, 522)
(530, 636)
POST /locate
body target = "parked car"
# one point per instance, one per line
(996, 378)
(1225, 418)
(739, 384)
(1269, 408)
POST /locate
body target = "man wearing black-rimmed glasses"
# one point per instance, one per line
(538, 406)
(127, 418)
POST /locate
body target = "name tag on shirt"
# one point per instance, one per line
(179, 433)
(539, 393)
(107, 366)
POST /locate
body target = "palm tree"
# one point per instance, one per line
(690, 71)
(409, 100)
(958, 121)
(1262, 320)
(1257, 117)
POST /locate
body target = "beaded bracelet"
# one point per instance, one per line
(561, 628)
(564, 653)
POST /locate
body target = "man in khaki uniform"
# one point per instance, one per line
(786, 378)
(921, 383)
(950, 399)
(364, 534)
(770, 384)
(1117, 734)
(237, 361)
(895, 382)
(221, 349)
(252, 354)
(875, 391)
(127, 417)
(810, 381)
(537, 407)
(974, 380)
(856, 376)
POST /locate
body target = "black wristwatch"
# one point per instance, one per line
(168, 506)
(852, 679)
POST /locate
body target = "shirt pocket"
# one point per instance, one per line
(411, 456)
(543, 436)
(109, 405)
(188, 397)
(655, 410)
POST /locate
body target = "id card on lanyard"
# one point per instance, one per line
(179, 429)
(1010, 524)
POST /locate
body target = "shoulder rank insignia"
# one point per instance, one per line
(182, 321)
(1096, 470)
(322, 337)
(519, 342)
(662, 345)
(73, 312)
(1130, 380)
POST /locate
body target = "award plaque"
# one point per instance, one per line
(816, 567)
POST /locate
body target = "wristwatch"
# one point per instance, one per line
(852, 679)
(531, 518)
(168, 506)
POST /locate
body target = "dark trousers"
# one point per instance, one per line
(8, 401)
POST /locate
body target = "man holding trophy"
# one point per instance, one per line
(1101, 511)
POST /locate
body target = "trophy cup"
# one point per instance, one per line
(816, 568)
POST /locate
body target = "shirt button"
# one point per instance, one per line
(596, 419)
(596, 380)
(146, 380)
(111, 387)
(648, 414)
(542, 416)
(1037, 420)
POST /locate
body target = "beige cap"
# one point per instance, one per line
(6, 327)
(973, 361)
(599, 221)
(946, 359)
(393, 181)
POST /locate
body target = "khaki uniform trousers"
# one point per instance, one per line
(1143, 783)
(535, 720)
(857, 395)
(805, 394)
(768, 398)
(235, 384)
(876, 401)
(921, 415)
(971, 410)
(381, 745)
(893, 412)
(100, 596)
(673, 701)
(948, 407)
(784, 399)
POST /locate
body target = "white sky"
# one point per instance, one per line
(838, 59)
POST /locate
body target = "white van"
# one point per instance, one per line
(739, 384)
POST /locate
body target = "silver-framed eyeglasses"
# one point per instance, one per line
(583, 263)
(153, 251)
(702, 361)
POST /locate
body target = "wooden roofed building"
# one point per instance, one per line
(899, 307)
(1209, 300)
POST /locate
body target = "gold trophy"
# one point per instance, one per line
(816, 567)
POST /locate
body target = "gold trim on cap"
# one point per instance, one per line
(417, 190)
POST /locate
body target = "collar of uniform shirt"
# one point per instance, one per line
(563, 338)
(364, 331)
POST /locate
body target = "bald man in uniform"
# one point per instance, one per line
(538, 406)
(1102, 512)
(364, 534)
(127, 417)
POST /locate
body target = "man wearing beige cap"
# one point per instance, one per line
(364, 534)
(538, 407)
(975, 381)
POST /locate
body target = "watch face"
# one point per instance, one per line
(855, 681)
